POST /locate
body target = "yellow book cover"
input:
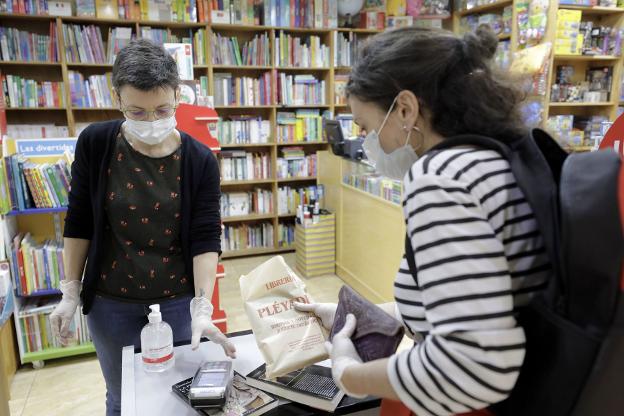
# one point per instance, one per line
(107, 9)
(28, 271)
(40, 182)
(299, 130)
(144, 6)
(396, 7)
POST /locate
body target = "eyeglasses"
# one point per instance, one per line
(142, 115)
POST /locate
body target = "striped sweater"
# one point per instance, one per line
(479, 255)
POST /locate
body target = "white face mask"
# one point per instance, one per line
(150, 132)
(393, 165)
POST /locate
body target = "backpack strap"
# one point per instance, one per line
(536, 161)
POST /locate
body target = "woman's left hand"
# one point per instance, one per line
(202, 326)
(343, 354)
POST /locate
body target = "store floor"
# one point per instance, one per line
(75, 387)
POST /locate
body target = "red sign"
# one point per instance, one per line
(614, 138)
(200, 122)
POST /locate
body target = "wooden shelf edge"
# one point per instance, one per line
(249, 182)
(557, 104)
(255, 252)
(251, 217)
(486, 7)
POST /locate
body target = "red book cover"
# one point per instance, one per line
(20, 265)
(200, 11)
(292, 13)
(21, 7)
(302, 13)
(325, 13)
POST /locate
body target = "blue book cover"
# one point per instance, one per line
(17, 178)
(46, 265)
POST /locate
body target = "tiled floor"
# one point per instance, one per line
(75, 387)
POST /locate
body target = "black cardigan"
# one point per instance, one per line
(86, 218)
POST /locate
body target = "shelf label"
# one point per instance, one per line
(45, 147)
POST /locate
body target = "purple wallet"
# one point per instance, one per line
(377, 334)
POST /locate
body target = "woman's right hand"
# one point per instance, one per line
(63, 315)
(326, 312)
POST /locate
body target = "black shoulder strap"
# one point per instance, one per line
(411, 261)
(536, 161)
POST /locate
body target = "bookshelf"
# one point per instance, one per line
(593, 110)
(322, 69)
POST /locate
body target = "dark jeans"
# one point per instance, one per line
(114, 325)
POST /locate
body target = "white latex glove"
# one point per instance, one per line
(201, 325)
(64, 313)
(343, 353)
(326, 312)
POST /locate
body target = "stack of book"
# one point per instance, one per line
(20, 45)
(234, 204)
(20, 92)
(34, 321)
(30, 131)
(238, 165)
(381, 186)
(94, 92)
(243, 130)
(156, 35)
(285, 234)
(246, 236)
(83, 44)
(294, 51)
(304, 125)
(345, 49)
(36, 267)
(349, 128)
(199, 46)
(300, 90)
(288, 199)
(226, 51)
(24, 184)
(301, 13)
(242, 91)
(24, 7)
(118, 38)
(295, 164)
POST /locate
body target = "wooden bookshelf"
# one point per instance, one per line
(72, 116)
(487, 8)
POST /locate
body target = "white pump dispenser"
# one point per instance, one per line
(157, 343)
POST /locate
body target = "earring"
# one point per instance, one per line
(405, 127)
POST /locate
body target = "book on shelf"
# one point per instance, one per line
(227, 51)
(300, 89)
(238, 165)
(295, 166)
(349, 128)
(285, 234)
(183, 55)
(156, 35)
(242, 91)
(312, 386)
(199, 46)
(300, 52)
(21, 45)
(30, 131)
(36, 331)
(21, 92)
(85, 8)
(304, 125)
(375, 184)
(94, 92)
(3, 121)
(346, 48)
(24, 7)
(191, 92)
(107, 9)
(118, 38)
(36, 266)
(234, 204)
(243, 129)
(247, 236)
(129, 9)
(340, 89)
(83, 44)
(289, 198)
(26, 184)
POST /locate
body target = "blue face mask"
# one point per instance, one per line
(395, 164)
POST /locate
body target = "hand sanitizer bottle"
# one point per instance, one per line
(157, 343)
